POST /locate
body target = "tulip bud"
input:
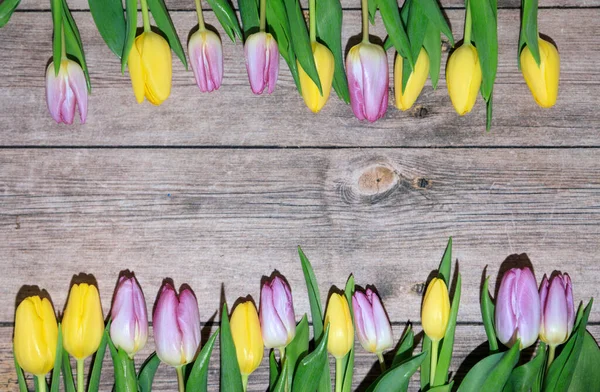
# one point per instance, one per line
(463, 76)
(262, 61)
(176, 323)
(543, 79)
(436, 310)
(82, 322)
(206, 57)
(65, 91)
(415, 82)
(149, 65)
(129, 325)
(372, 325)
(518, 308)
(36, 335)
(277, 318)
(368, 79)
(325, 65)
(557, 309)
(247, 338)
(341, 330)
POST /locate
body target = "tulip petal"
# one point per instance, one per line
(167, 335)
(55, 88)
(156, 65)
(570, 303)
(272, 71)
(505, 317)
(206, 55)
(247, 337)
(78, 86)
(375, 80)
(364, 321)
(354, 70)
(385, 339)
(122, 327)
(136, 71)
(188, 319)
(257, 62)
(528, 309)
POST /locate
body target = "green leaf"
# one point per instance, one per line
(487, 314)
(416, 28)
(310, 368)
(525, 376)
(280, 386)
(67, 373)
(492, 372)
(73, 44)
(529, 30)
(297, 348)
(442, 388)
(329, 31)
(198, 378)
(55, 380)
(499, 375)
(586, 376)
(250, 17)
(231, 379)
(56, 7)
(110, 22)
(405, 348)
(20, 376)
(393, 25)
(314, 297)
(277, 22)
(372, 7)
(432, 10)
(425, 371)
(444, 270)
(7, 7)
(485, 34)
(447, 343)
(124, 369)
(147, 372)
(273, 370)
(488, 111)
(348, 360)
(396, 378)
(226, 16)
(432, 42)
(130, 30)
(301, 42)
(98, 360)
(165, 24)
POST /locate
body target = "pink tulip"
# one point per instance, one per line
(66, 90)
(277, 318)
(368, 80)
(206, 57)
(176, 326)
(129, 325)
(262, 62)
(372, 324)
(518, 308)
(558, 311)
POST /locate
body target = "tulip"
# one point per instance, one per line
(247, 337)
(543, 79)
(65, 91)
(206, 57)
(518, 308)
(557, 309)
(341, 330)
(436, 310)
(129, 326)
(277, 318)
(415, 82)
(463, 76)
(368, 79)
(36, 336)
(372, 325)
(176, 322)
(149, 65)
(82, 322)
(324, 63)
(262, 62)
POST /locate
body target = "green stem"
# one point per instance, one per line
(41, 383)
(434, 359)
(550, 356)
(312, 5)
(245, 382)
(263, 14)
(201, 26)
(281, 355)
(365, 20)
(339, 375)
(63, 46)
(80, 386)
(145, 16)
(468, 23)
(381, 362)
(286, 387)
(180, 381)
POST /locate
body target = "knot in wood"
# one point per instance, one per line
(376, 179)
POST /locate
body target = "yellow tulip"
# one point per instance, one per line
(82, 323)
(542, 80)
(247, 337)
(341, 330)
(436, 310)
(463, 76)
(325, 65)
(36, 335)
(415, 82)
(149, 65)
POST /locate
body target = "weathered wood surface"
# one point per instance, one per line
(232, 116)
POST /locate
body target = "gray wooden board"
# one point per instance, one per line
(233, 116)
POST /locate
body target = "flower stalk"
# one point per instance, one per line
(180, 381)
(201, 26)
(80, 384)
(145, 16)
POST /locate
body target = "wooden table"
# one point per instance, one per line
(217, 190)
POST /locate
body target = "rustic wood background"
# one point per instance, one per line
(218, 190)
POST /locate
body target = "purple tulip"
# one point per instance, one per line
(129, 325)
(518, 308)
(176, 326)
(65, 91)
(277, 318)
(368, 79)
(372, 324)
(206, 57)
(262, 62)
(558, 311)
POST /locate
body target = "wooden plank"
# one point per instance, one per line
(282, 119)
(220, 219)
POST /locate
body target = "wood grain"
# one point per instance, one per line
(233, 116)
